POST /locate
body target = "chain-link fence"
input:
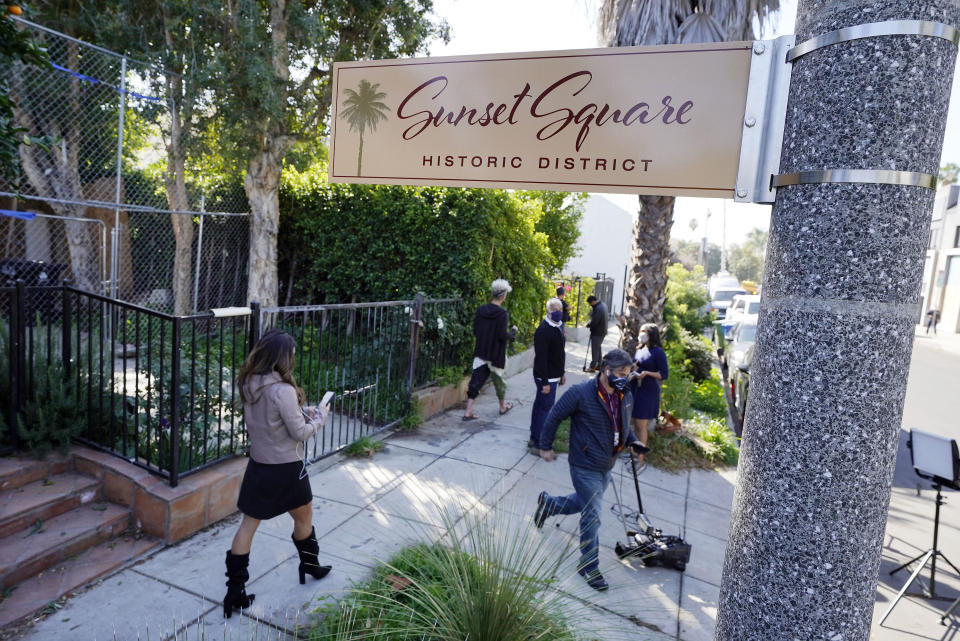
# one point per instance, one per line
(109, 120)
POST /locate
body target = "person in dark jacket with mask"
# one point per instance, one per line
(599, 411)
(599, 319)
(490, 352)
(549, 359)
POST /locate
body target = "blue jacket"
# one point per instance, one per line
(591, 440)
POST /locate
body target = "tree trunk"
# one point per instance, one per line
(647, 277)
(176, 186)
(262, 185)
(56, 174)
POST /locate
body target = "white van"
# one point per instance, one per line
(721, 280)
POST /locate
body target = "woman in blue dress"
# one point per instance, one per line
(651, 368)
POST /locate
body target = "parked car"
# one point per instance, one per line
(743, 306)
(722, 333)
(741, 390)
(742, 338)
(722, 298)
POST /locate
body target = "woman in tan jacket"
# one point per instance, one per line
(275, 480)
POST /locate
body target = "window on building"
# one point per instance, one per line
(956, 237)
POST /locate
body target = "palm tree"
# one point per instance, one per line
(363, 108)
(627, 23)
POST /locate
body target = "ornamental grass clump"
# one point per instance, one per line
(490, 578)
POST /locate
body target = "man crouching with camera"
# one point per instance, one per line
(599, 411)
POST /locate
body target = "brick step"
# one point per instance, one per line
(17, 471)
(43, 544)
(39, 591)
(44, 499)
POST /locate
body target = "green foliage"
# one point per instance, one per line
(51, 417)
(414, 416)
(16, 45)
(676, 392)
(686, 298)
(707, 396)
(745, 260)
(448, 375)
(363, 447)
(701, 444)
(561, 441)
(691, 355)
(493, 584)
(341, 242)
(562, 213)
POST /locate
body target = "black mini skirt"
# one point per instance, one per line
(269, 490)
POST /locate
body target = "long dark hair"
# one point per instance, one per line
(272, 353)
(653, 335)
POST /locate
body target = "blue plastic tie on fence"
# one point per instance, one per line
(97, 81)
(23, 215)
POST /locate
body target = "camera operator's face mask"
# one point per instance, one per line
(616, 382)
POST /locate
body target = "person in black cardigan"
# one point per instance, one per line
(548, 364)
(490, 353)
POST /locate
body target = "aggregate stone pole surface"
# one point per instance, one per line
(840, 300)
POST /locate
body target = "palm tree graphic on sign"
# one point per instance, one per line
(363, 109)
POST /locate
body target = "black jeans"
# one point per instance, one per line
(595, 347)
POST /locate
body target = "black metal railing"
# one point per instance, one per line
(372, 356)
(161, 391)
(157, 389)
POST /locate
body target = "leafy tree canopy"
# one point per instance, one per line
(16, 45)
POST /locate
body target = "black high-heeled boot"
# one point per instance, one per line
(309, 564)
(237, 576)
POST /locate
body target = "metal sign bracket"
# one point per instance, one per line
(767, 90)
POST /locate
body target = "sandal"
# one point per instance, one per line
(469, 418)
(509, 407)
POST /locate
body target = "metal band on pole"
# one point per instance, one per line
(867, 176)
(873, 29)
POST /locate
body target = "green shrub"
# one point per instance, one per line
(707, 396)
(701, 444)
(698, 355)
(414, 416)
(675, 395)
(363, 447)
(51, 417)
(686, 299)
(343, 242)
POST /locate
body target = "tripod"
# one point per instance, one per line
(931, 556)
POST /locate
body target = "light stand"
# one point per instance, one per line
(929, 556)
(934, 458)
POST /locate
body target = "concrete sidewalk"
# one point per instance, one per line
(366, 510)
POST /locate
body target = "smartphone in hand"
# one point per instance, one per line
(325, 402)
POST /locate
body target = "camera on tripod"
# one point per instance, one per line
(935, 458)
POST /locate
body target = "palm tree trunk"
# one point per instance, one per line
(647, 278)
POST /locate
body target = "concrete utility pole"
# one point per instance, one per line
(840, 300)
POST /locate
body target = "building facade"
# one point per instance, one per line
(941, 269)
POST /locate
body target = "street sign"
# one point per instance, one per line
(664, 120)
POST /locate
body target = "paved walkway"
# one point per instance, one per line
(368, 509)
